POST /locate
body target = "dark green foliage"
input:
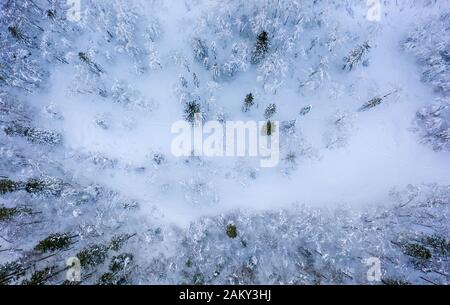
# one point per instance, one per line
(120, 262)
(84, 58)
(198, 279)
(8, 213)
(41, 136)
(7, 186)
(438, 243)
(118, 241)
(51, 14)
(70, 283)
(117, 267)
(231, 231)
(261, 47)
(248, 102)
(190, 110)
(16, 129)
(394, 282)
(189, 263)
(54, 242)
(110, 278)
(48, 185)
(35, 135)
(375, 102)
(16, 32)
(159, 158)
(270, 111)
(417, 251)
(305, 110)
(40, 277)
(11, 271)
(92, 65)
(371, 104)
(356, 56)
(92, 256)
(107, 278)
(269, 128)
(35, 186)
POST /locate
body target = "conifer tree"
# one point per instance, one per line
(54, 242)
(248, 102)
(270, 111)
(261, 47)
(356, 56)
(191, 108)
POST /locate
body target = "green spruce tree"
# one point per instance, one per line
(261, 47)
(248, 102)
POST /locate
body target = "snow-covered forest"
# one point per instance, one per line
(88, 93)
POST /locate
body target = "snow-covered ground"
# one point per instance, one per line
(87, 108)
